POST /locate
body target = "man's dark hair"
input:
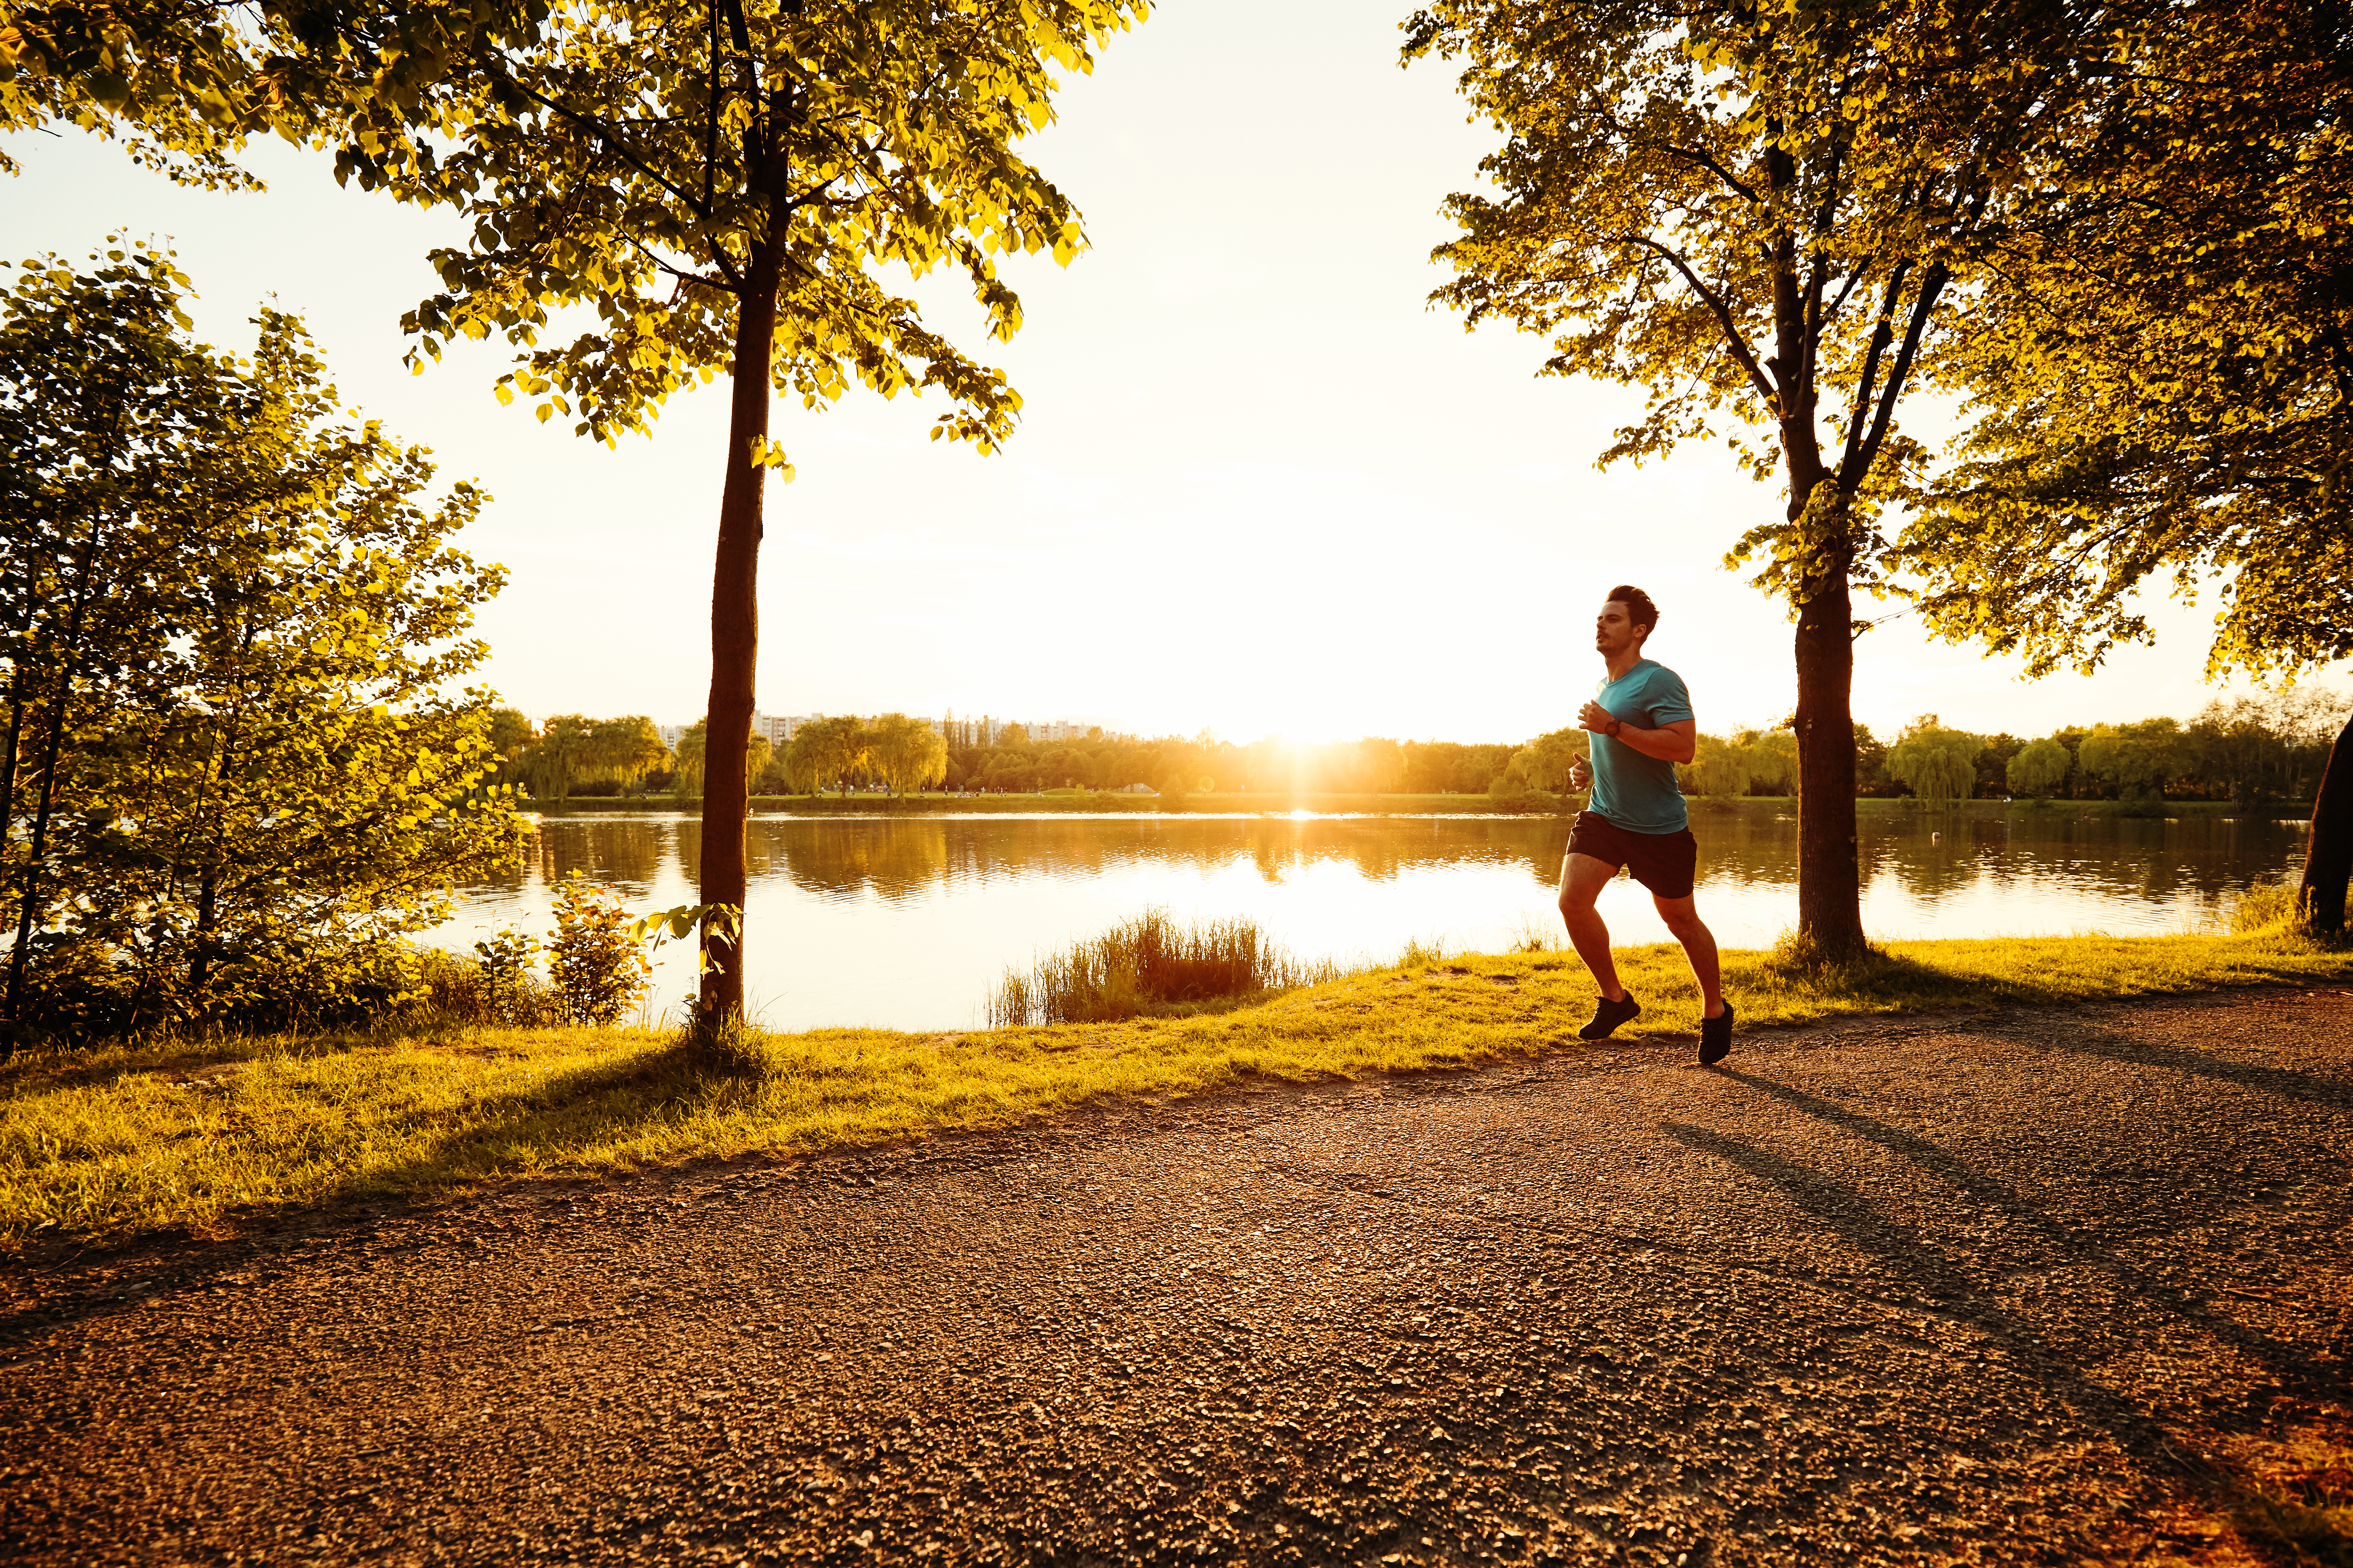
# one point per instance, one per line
(1639, 609)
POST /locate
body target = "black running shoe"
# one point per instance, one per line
(1716, 1037)
(1609, 1015)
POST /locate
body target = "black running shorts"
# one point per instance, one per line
(1664, 862)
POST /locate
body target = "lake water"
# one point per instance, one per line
(910, 923)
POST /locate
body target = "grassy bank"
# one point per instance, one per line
(120, 1141)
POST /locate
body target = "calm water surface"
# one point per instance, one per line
(909, 922)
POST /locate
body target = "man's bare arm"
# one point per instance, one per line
(1676, 743)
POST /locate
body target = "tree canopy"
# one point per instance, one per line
(2160, 357)
(719, 187)
(1937, 764)
(905, 753)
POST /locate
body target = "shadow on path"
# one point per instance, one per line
(2082, 1038)
(2290, 1363)
(1849, 1212)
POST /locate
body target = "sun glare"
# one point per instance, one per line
(1301, 816)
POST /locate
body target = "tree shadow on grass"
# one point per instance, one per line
(491, 1136)
(2292, 1364)
(1911, 984)
(1894, 982)
(579, 1108)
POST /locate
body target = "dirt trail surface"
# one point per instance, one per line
(2003, 1290)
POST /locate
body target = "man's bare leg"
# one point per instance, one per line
(1582, 878)
(1682, 916)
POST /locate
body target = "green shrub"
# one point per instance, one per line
(597, 966)
(508, 992)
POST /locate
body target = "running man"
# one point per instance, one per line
(1642, 724)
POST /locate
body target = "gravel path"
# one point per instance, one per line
(1993, 1291)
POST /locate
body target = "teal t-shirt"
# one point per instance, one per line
(1635, 792)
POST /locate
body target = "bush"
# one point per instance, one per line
(78, 992)
(507, 991)
(599, 968)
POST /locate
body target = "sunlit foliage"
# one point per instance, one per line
(719, 187)
(238, 762)
(1937, 764)
(2160, 358)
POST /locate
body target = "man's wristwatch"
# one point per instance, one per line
(1616, 725)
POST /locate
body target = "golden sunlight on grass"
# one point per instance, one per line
(120, 1141)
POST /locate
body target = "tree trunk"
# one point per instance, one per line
(8, 757)
(735, 639)
(1830, 869)
(200, 961)
(2328, 853)
(70, 663)
(28, 894)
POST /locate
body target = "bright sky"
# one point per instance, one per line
(1259, 486)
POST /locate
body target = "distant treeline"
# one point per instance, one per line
(2250, 750)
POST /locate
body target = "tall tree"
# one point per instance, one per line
(2160, 358)
(907, 753)
(626, 749)
(561, 756)
(720, 187)
(1760, 212)
(827, 750)
(100, 402)
(686, 777)
(1936, 763)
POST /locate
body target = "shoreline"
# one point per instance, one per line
(1105, 803)
(103, 1146)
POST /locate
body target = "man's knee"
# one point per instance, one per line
(1579, 894)
(1681, 918)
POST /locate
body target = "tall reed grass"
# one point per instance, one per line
(1151, 964)
(2274, 904)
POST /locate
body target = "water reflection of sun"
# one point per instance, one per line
(1301, 816)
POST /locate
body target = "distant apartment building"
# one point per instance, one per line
(776, 729)
(988, 730)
